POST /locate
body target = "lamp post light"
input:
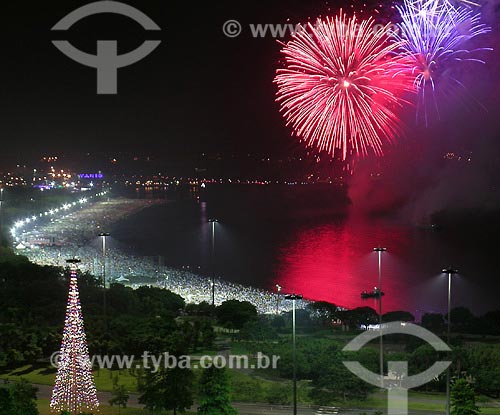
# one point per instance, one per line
(73, 262)
(294, 297)
(103, 236)
(379, 250)
(213, 222)
(278, 290)
(450, 271)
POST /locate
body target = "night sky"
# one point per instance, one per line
(198, 92)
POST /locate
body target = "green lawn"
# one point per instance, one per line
(247, 387)
(238, 348)
(40, 375)
(432, 402)
(46, 376)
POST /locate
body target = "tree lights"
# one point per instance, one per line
(74, 390)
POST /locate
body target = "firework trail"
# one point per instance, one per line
(469, 3)
(340, 86)
(435, 37)
(432, 6)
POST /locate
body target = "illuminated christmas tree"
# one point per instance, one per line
(74, 389)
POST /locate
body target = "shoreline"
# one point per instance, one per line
(75, 235)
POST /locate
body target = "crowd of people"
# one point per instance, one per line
(74, 235)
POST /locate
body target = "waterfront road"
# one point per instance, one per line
(45, 392)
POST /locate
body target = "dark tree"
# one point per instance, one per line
(119, 396)
(463, 399)
(168, 389)
(234, 313)
(462, 320)
(332, 380)
(492, 320)
(122, 300)
(483, 364)
(202, 309)
(361, 316)
(214, 393)
(6, 402)
(257, 330)
(279, 394)
(278, 322)
(398, 316)
(206, 334)
(24, 398)
(323, 312)
(433, 322)
(158, 302)
(422, 358)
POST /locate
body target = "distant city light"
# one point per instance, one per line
(20, 223)
(91, 176)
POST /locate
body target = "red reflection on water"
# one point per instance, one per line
(336, 263)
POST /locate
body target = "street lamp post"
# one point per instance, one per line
(294, 297)
(450, 271)
(103, 236)
(379, 251)
(278, 290)
(213, 222)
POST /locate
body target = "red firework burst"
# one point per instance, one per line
(340, 86)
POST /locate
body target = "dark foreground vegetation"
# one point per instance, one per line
(33, 303)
